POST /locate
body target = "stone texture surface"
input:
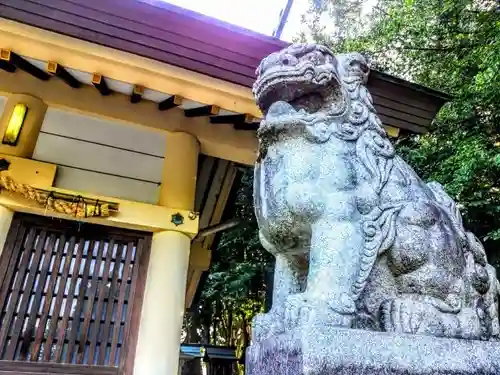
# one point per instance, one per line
(360, 240)
(335, 351)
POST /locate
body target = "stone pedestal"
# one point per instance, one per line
(334, 351)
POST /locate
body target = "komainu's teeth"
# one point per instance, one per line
(280, 108)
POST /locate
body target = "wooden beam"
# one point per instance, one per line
(232, 119)
(7, 66)
(131, 215)
(252, 126)
(216, 185)
(27, 171)
(222, 197)
(171, 102)
(202, 181)
(16, 60)
(100, 84)
(220, 141)
(59, 71)
(80, 55)
(199, 257)
(199, 261)
(207, 110)
(193, 279)
(212, 210)
(217, 228)
(137, 94)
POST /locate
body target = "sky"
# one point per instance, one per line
(258, 15)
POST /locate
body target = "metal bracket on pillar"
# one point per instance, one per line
(177, 219)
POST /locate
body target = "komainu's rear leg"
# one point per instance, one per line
(414, 316)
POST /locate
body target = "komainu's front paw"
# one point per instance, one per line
(303, 310)
(295, 308)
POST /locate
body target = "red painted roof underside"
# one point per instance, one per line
(153, 29)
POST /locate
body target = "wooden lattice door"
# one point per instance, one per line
(70, 294)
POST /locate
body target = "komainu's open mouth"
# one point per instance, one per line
(294, 86)
(302, 76)
(283, 85)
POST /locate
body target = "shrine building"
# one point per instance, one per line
(125, 125)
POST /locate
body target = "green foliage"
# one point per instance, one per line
(240, 263)
(235, 288)
(325, 21)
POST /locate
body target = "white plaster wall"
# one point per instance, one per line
(101, 156)
(107, 185)
(103, 131)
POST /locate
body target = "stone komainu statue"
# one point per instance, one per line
(360, 240)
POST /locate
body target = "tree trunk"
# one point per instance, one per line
(192, 367)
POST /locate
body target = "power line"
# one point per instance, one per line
(283, 19)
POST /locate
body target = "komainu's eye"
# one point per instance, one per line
(288, 60)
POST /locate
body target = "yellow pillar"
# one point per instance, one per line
(5, 222)
(31, 126)
(25, 145)
(178, 184)
(160, 327)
